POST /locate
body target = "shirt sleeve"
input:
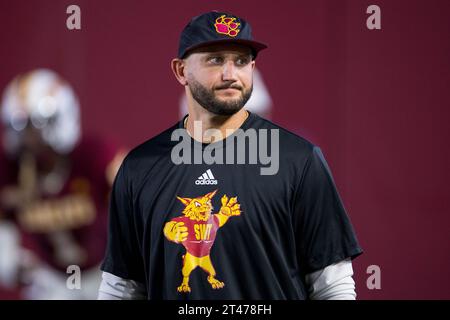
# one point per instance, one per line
(116, 288)
(123, 255)
(334, 282)
(323, 231)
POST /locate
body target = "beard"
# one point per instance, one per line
(208, 100)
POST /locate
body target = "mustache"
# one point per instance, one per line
(228, 86)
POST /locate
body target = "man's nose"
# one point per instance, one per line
(229, 71)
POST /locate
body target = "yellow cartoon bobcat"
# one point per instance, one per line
(196, 230)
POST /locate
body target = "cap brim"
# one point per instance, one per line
(254, 45)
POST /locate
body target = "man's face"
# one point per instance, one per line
(219, 77)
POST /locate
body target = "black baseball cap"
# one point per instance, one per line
(217, 27)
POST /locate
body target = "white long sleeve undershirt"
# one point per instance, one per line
(334, 282)
(116, 288)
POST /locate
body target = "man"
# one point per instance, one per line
(222, 228)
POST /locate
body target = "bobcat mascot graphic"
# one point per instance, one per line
(196, 230)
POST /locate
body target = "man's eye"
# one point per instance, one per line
(242, 61)
(216, 60)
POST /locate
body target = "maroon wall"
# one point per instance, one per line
(376, 101)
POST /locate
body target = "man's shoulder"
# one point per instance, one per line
(155, 147)
(143, 157)
(288, 140)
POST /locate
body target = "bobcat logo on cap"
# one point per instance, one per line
(227, 25)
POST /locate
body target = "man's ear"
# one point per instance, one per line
(178, 68)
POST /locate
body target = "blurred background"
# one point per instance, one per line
(377, 102)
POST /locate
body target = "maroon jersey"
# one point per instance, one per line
(201, 235)
(68, 225)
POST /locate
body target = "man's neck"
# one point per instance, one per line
(207, 120)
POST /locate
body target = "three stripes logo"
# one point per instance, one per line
(206, 178)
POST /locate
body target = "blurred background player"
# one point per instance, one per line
(54, 186)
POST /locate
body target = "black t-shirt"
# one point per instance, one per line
(257, 235)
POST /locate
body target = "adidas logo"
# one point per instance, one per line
(206, 178)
